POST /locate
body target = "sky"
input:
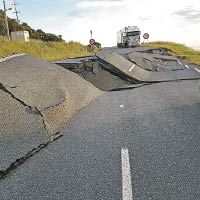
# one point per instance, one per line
(171, 20)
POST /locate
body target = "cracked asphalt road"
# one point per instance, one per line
(158, 124)
(36, 97)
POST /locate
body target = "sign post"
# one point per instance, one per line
(6, 19)
(91, 33)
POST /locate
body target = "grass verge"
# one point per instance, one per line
(178, 50)
(49, 51)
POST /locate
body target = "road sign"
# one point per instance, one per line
(92, 42)
(146, 36)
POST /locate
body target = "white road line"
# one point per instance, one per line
(187, 66)
(179, 62)
(126, 176)
(198, 70)
(11, 56)
(132, 68)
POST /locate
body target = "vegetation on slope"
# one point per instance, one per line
(178, 50)
(49, 51)
(15, 26)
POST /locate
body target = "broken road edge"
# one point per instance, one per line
(19, 161)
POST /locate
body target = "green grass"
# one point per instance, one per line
(53, 51)
(178, 50)
(50, 51)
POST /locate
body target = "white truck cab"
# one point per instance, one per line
(128, 37)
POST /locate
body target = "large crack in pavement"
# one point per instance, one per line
(32, 110)
(37, 98)
(21, 160)
(55, 94)
(3, 88)
(56, 105)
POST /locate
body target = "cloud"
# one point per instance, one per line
(190, 14)
(111, 0)
(105, 17)
(145, 18)
(107, 1)
(100, 3)
(195, 44)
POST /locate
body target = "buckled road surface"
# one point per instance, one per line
(141, 143)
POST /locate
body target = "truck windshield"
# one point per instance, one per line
(133, 33)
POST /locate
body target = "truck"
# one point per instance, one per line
(128, 37)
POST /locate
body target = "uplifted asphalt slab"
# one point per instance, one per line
(95, 72)
(155, 62)
(122, 51)
(36, 97)
(119, 63)
(116, 68)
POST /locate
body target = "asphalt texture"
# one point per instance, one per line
(122, 51)
(115, 68)
(120, 64)
(158, 124)
(36, 97)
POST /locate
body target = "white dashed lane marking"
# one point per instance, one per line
(180, 62)
(198, 70)
(126, 176)
(132, 68)
(187, 66)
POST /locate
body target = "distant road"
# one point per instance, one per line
(140, 144)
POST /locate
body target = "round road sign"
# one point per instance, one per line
(146, 36)
(92, 41)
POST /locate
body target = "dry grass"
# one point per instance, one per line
(50, 51)
(178, 50)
